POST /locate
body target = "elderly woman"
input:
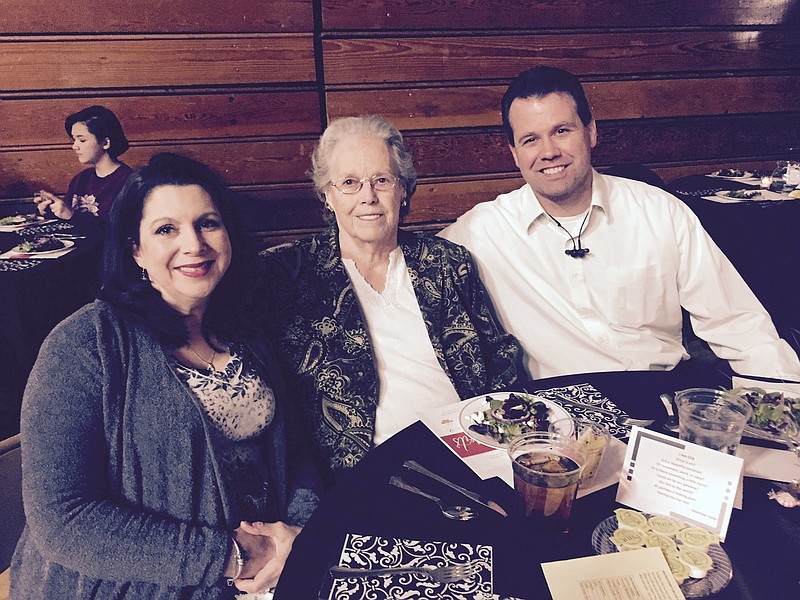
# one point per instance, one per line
(377, 323)
(98, 141)
(155, 440)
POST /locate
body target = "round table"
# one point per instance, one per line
(763, 539)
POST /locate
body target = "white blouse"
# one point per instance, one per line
(410, 378)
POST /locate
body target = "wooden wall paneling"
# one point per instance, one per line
(440, 200)
(242, 162)
(723, 138)
(114, 62)
(215, 114)
(398, 60)
(101, 16)
(565, 14)
(468, 153)
(479, 106)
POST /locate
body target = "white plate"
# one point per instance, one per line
(67, 244)
(763, 195)
(718, 576)
(17, 227)
(481, 403)
(747, 175)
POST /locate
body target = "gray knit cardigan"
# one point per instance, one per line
(123, 493)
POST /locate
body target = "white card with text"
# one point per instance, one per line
(667, 476)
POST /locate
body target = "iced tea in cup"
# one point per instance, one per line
(547, 467)
(712, 418)
(595, 438)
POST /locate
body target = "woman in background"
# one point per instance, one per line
(158, 459)
(98, 141)
(377, 323)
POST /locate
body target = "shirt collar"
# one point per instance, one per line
(530, 211)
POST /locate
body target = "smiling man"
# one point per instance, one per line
(590, 272)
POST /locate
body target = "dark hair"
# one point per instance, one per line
(368, 125)
(230, 312)
(540, 81)
(101, 123)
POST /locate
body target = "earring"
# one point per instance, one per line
(404, 203)
(144, 275)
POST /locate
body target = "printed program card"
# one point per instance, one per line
(670, 477)
(484, 460)
(632, 575)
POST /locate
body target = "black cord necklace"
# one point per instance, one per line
(577, 251)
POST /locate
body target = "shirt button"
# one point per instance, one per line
(602, 339)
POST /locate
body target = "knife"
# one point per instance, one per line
(415, 466)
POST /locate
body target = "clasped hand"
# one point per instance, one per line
(266, 547)
(57, 206)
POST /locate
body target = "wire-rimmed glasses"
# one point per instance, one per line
(380, 182)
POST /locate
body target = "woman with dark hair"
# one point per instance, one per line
(376, 323)
(158, 459)
(98, 141)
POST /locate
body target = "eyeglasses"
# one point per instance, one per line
(382, 182)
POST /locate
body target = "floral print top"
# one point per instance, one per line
(325, 346)
(240, 406)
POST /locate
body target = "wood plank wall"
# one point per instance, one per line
(680, 85)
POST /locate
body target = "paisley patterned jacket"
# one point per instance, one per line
(317, 321)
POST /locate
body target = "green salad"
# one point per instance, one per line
(744, 194)
(17, 220)
(773, 412)
(503, 419)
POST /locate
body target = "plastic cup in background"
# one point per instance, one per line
(712, 418)
(547, 468)
(595, 438)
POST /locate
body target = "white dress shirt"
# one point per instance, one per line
(410, 376)
(619, 307)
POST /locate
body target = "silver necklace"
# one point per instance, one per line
(210, 363)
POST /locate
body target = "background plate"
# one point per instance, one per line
(67, 244)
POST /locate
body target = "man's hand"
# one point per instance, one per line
(280, 538)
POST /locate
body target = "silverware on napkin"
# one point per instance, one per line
(474, 496)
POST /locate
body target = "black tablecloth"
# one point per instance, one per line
(763, 539)
(33, 300)
(761, 240)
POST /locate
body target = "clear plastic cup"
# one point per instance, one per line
(547, 468)
(595, 438)
(712, 418)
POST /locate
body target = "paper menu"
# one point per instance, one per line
(629, 575)
(667, 476)
(484, 460)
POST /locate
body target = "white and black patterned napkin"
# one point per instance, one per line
(587, 395)
(367, 552)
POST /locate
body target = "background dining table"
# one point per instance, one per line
(763, 540)
(760, 237)
(35, 295)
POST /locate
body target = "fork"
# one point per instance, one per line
(622, 420)
(443, 574)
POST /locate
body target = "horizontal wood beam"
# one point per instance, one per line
(479, 106)
(565, 14)
(153, 62)
(489, 58)
(101, 16)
